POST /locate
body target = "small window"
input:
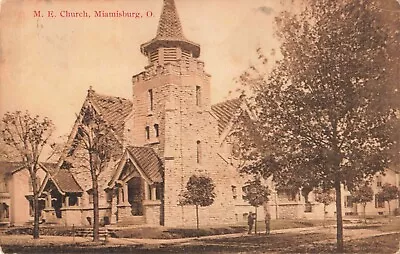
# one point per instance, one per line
(198, 96)
(234, 192)
(109, 196)
(151, 103)
(158, 192)
(147, 132)
(379, 181)
(348, 202)
(245, 189)
(198, 155)
(379, 203)
(149, 192)
(156, 130)
(73, 200)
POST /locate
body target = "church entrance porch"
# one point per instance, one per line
(130, 201)
(139, 192)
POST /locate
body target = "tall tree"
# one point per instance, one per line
(325, 197)
(256, 194)
(325, 114)
(200, 191)
(93, 148)
(362, 195)
(388, 193)
(28, 135)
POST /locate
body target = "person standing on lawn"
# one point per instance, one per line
(250, 221)
(267, 223)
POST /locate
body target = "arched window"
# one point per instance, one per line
(151, 103)
(198, 152)
(147, 132)
(198, 96)
(156, 130)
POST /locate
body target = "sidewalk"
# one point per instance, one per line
(26, 240)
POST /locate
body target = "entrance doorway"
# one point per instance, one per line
(136, 196)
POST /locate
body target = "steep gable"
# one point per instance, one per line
(114, 110)
(225, 111)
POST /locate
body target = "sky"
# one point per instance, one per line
(47, 63)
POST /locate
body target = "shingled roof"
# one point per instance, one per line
(63, 179)
(148, 161)
(225, 111)
(114, 110)
(170, 32)
(8, 167)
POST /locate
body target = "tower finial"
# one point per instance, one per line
(90, 91)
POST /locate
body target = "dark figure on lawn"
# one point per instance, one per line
(250, 221)
(267, 223)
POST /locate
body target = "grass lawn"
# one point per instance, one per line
(170, 233)
(278, 243)
(298, 223)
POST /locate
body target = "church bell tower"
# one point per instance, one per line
(172, 114)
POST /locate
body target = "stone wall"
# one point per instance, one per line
(152, 212)
(181, 124)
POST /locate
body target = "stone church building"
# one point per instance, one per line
(166, 132)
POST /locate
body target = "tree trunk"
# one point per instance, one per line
(365, 216)
(96, 222)
(255, 223)
(389, 206)
(323, 223)
(35, 205)
(197, 217)
(339, 219)
(276, 206)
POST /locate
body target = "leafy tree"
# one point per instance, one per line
(256, 194)
(325, 197)
(362, 195)
(93, 148)
(388, 193)
(199, 192)
(326, 112)
(27, 135)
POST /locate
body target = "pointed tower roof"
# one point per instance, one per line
(169, 26)
(170, 32)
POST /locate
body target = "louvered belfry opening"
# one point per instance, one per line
(170, 45)
(170, 55)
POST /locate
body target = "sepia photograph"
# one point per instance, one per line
(199, 126)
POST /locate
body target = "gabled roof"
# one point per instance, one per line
(62, 179)
(225, 111)
(145, 162)
(114, 110)
(8, 167)
(11, 167)
(147, 159)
